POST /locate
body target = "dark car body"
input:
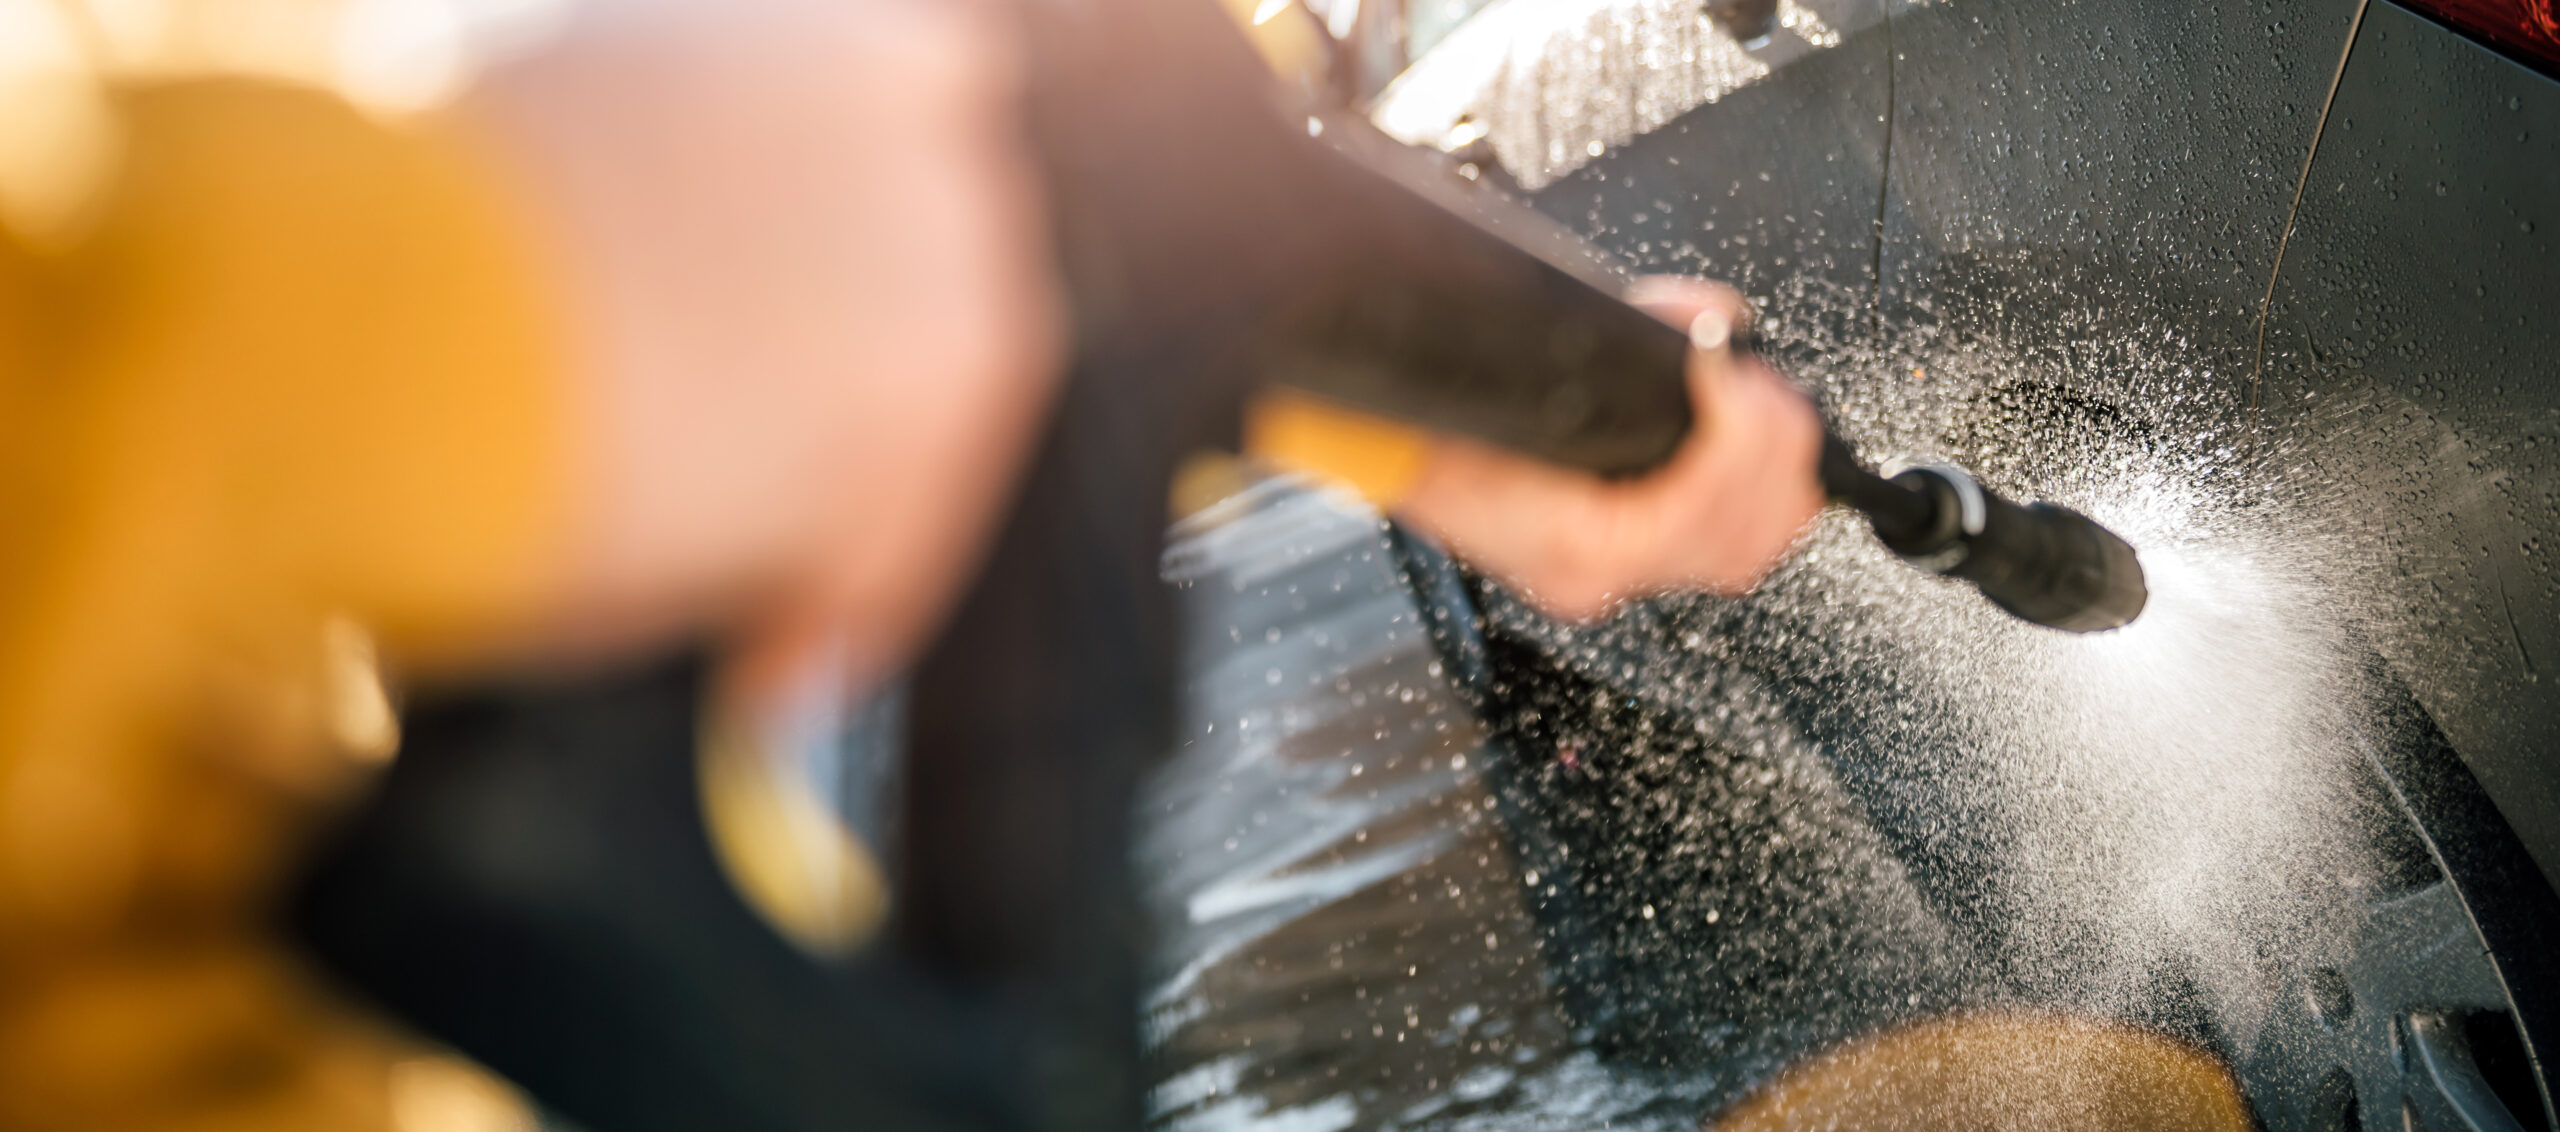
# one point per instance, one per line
(2308, 245)
(2340, 214)
(2286, 267)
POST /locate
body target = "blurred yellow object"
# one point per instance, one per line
(433, 1093)
(1291, 41)
(783, 849)
(1202, 479)
(279, 386)
(60, 61)
(361, 720)
(1379, 458)
(2001, 1072)
(59, 139)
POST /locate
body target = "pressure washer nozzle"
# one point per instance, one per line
(2045, 563)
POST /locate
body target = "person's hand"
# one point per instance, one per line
(1716, 517)
(817, 331)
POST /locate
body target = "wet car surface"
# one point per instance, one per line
(1645, 884)
(1374, 913)
(2261, 286)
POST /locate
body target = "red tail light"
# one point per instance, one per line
(2526, 30)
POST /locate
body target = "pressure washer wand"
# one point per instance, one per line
(1202, 233)
(2045, 563)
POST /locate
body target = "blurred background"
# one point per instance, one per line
(510, 625)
